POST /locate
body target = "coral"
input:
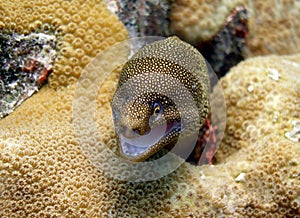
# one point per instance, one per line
(44, 172)
(84, 28)
(199, 20)
(254, 107)
(273, 25)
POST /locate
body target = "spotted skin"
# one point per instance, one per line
(171, 57)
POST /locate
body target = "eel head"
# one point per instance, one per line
(146, 125)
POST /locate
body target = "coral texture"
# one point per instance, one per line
(199, 20)
(44, 172)
(84, 29)
(264, 101)
(273, 25)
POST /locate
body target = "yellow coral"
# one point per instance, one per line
(199, 20)
(273, 25)
(84, 29)
(261, 104)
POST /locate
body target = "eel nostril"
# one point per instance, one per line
(128, 132)
(136, 131)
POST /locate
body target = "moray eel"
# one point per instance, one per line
(151, 121)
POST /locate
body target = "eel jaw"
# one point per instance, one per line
(142, 147)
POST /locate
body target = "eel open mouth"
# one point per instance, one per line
(140, 145)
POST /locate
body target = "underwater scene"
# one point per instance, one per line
(147, 108)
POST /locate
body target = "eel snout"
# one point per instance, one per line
(133, 132)
(139, 140)
(136, 141)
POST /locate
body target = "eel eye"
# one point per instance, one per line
(156, 108)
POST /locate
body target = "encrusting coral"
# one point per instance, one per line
(260, 103)
(199, 20)
(44, 172)
(263, 130)
(273, 25)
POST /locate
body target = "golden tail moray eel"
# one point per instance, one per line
(136, 117)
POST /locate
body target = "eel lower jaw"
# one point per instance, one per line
(142, 147)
